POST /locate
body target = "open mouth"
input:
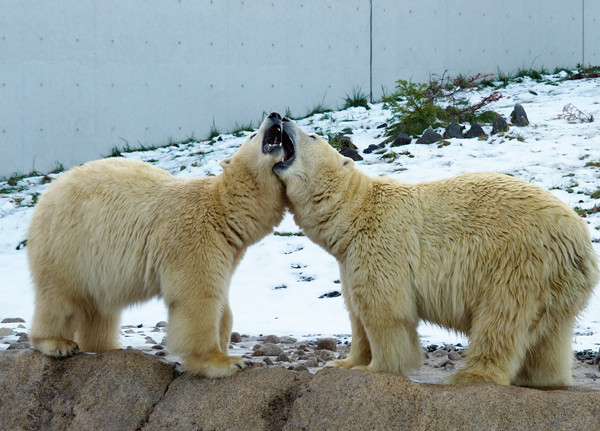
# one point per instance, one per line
(288, 151)
(279, 137)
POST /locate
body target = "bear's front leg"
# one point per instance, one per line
(390, 322)
(194, 331)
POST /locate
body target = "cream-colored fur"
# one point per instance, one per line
(489, 255)
(115, 232)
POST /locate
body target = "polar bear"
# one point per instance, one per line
(494, 257)
(115, 232)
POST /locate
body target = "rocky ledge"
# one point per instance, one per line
(130, 390)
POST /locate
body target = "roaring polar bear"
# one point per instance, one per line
(115, 232)
(489, 255)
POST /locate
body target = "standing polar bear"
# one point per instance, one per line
(491, 256)
(116, 232)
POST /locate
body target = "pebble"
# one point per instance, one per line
(161, 324)
(268, 361)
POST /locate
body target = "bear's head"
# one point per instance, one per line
(309, 163)
(257, 155)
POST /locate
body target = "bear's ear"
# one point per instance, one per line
(225, 162)
(347, 163)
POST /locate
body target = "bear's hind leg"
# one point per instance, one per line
(496, 350)
(549, 361)
(99, 332)
(54, 324)
(360, 350)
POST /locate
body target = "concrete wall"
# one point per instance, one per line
(80, 77)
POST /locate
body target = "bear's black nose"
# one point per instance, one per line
(274, 115)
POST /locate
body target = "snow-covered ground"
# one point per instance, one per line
(278, 287)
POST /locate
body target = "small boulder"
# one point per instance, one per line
(236, 337)
(518, 116)
(271, 339)
(12, 320)
(372, 147)
(350, 153)
(270, 349)
(401, 139)
(453, 130)
(475, 131)
(282, 358)
(429, 136)
(327, 344)
(499, 125)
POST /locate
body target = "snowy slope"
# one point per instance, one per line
(277, 287)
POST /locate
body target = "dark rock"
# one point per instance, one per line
(453, 130)
(518, 116)
(382, 126)
(352, 154)
(327, 344)
(333, 294)
(236, 337)
(12, 320)
(475, 131)
(282, 358)
(499, 125)
(429, 136)
(161, 324)
(401, 139)
(301, 367)
(271, 339)
(373, 147)
(268, 361)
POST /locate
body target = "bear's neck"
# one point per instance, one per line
(326, 208)
(253, 205)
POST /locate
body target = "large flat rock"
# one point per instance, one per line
(128, 390)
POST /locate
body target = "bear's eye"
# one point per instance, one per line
(252, 135)
(313, 136)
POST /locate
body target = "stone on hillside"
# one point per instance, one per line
(453, 130)
(499, 125)
(429, 136)
(353, 154)
(401, 139)
(518, 116)
(475, 131)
